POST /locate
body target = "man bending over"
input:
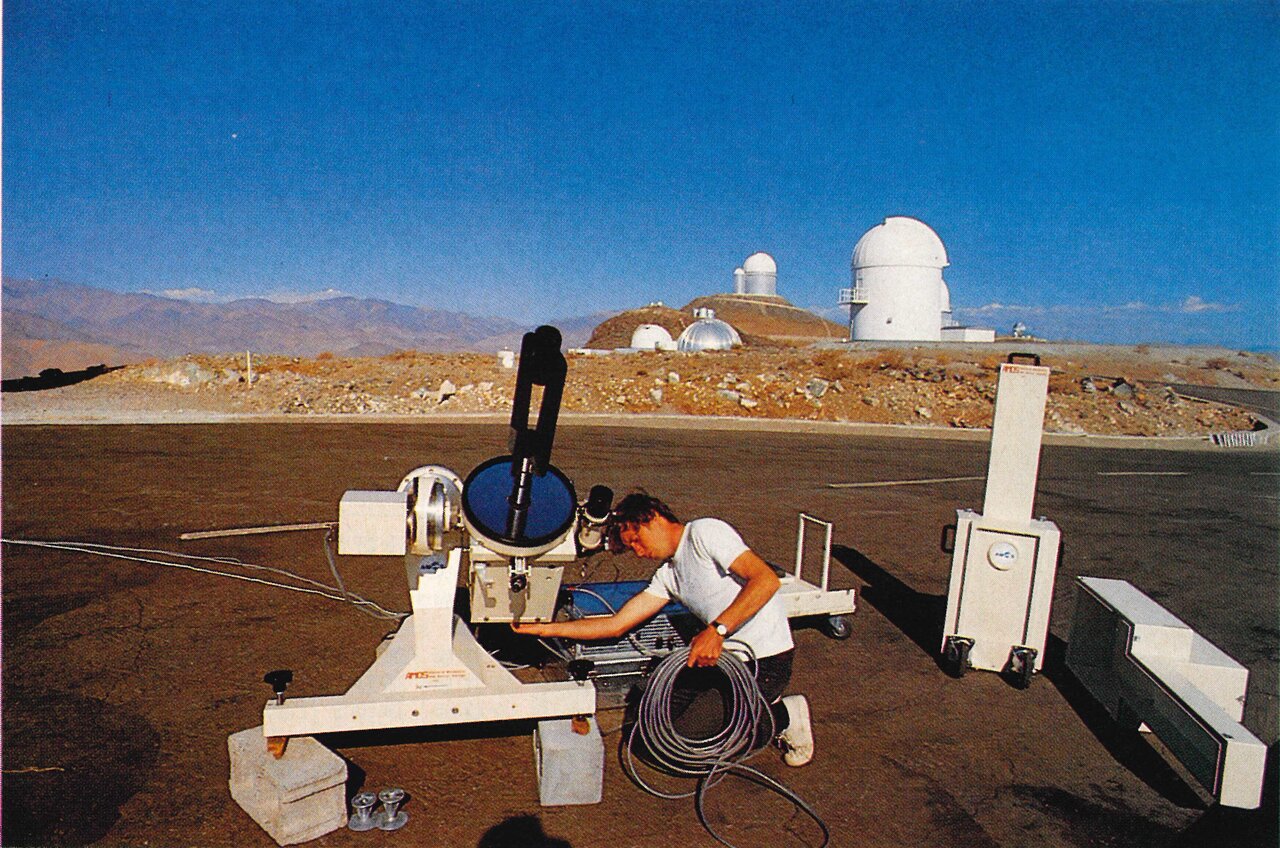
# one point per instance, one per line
(708, 568)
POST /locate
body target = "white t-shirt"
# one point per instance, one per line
(698, 576)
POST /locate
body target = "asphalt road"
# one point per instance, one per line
(122, 680)
(1258, 400)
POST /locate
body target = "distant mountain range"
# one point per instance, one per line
(56, 324)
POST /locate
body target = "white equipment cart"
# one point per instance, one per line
(1004, 561)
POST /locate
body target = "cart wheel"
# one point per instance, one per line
(836, 627)
(955, 655)
(1022, 665)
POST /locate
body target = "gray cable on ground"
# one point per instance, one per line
(116, 552)
(708, 760)
(333, 565)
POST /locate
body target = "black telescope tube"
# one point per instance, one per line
(541, 364)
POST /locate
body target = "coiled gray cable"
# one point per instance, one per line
(708, 760)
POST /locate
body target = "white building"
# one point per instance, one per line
(757, 276)
(652, 337)
(898, 293)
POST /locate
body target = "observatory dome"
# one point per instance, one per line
(760, 263)
(708, 333)
(652, 337)
(902, 242)
(757, 276)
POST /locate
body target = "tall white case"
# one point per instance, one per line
(1004, 562)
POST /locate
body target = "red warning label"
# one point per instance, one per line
(436, 674)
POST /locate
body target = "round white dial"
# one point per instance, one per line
(1002, 555)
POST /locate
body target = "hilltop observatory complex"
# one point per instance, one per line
(757, 276)
(898, 293)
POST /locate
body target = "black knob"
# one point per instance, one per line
(279, 681)
(580, 669)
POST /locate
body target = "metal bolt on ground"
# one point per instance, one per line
(362, 817)
(391, 817)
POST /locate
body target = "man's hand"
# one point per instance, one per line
(705, 648)
(531, 629)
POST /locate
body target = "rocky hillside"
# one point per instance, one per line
(772, 318)
(1100, 390)
(615, 332)
(762, 322)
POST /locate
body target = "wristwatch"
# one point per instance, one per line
(722, 629)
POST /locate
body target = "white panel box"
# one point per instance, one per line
(570, 764)
(1000, 595)
(373, 523)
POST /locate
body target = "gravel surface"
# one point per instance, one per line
(1103, 390)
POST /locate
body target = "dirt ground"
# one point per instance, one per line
(122, 680)
(1094, 389)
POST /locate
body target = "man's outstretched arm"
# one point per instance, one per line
(634, 612)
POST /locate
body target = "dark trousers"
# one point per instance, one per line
(700, 698)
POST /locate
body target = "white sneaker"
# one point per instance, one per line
(797, 739)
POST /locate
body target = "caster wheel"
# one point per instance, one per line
(1022, 666)
(837, 627)
(955, 655)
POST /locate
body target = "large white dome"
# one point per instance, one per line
(902, 242)
(760, 263)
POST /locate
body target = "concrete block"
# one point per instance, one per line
(570, 765)
(296, 798)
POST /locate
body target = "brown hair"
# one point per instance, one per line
(636, 508)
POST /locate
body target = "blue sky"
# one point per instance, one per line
(1105, 170)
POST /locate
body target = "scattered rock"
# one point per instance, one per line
(889, 388)
(184, 374)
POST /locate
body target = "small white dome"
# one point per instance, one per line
(708, 334)
(900, 241)
(760, 263)
(651, 337)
